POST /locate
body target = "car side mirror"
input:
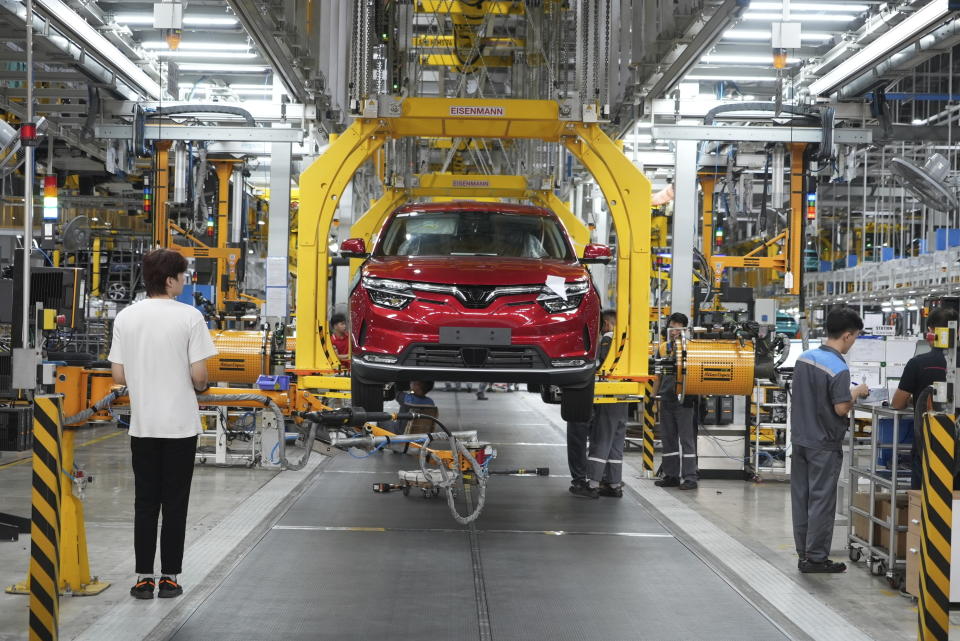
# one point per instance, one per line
(593, 253)
(353, 248)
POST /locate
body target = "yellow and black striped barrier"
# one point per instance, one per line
(939, 443)
(649, 420)
(45, 521)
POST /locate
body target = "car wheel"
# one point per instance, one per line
(369, 396)
(533, 388)
(576, 403)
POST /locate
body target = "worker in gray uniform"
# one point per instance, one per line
(821, 400)
(678, 423)
(608, 431)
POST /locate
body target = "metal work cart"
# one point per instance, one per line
(885, 478)
(769, 430)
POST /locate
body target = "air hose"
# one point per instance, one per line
(205, 109)
(100, 405)
(456, 449)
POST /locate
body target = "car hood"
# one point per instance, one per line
(472, 270)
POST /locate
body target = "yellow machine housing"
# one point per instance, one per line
(242, 356)
(718, 366)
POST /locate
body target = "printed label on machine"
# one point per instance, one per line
(464, 110)
(717, 373)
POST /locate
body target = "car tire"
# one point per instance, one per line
(369, 396)
(576, 403)
(533, 388)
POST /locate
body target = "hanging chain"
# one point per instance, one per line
(604, 97)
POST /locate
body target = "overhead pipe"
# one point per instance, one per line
(933, 41)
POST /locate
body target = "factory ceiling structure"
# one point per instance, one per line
(670, 224)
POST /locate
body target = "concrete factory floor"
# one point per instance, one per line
(315, 554)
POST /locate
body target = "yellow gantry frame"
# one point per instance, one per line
(626, 189)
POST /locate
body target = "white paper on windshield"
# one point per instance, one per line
(558, 285)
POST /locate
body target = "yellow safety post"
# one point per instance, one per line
(939, 443)
(73, 566)
(74, 562)
(649, 420)
(44, 575)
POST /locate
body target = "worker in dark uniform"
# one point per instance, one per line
(608, 431)
(598, 472)
(920, 372)
(821, 402)
(678, 423)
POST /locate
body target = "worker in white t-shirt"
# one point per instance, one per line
(159, 350)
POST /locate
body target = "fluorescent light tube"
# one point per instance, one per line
(198, 46)
(810, 6)
(806, 17)
(744, 59)
(201, 66)
(763, 34)
(696, 76)
(193, 21)
(232, 55)
(899, 37)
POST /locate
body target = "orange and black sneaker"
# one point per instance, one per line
(169, 588)
(143, 589)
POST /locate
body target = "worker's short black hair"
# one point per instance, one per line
(610, 314)
(841, 320)
(678, 317)
(941, 316)
(158, 266)
(337, 318)
(427, 386)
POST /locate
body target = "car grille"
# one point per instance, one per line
(498, 357)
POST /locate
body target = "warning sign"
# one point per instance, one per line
(484, 112)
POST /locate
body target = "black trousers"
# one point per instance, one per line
(162, 471)
(577, 435)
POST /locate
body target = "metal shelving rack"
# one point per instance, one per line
(882, 561)
(769, 436)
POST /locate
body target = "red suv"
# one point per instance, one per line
(474, 291)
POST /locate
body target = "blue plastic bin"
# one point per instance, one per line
(885, 437)
(279, 383)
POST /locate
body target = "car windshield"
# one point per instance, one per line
(474, 233)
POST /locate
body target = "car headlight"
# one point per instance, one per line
(552, 302)
(394, 294)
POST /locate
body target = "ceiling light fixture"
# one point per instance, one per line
(810, 6)
(206, 54)
(807, 17)
(762, 34)
(199, 46)
(193, 21)
(697, 76)
(918, 24)
(745, 59)
(224, 68)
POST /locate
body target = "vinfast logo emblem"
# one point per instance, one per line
(471, 183)
(487, 112)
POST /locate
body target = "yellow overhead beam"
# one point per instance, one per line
(499, 8)
(454, 60)
(447, 42)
